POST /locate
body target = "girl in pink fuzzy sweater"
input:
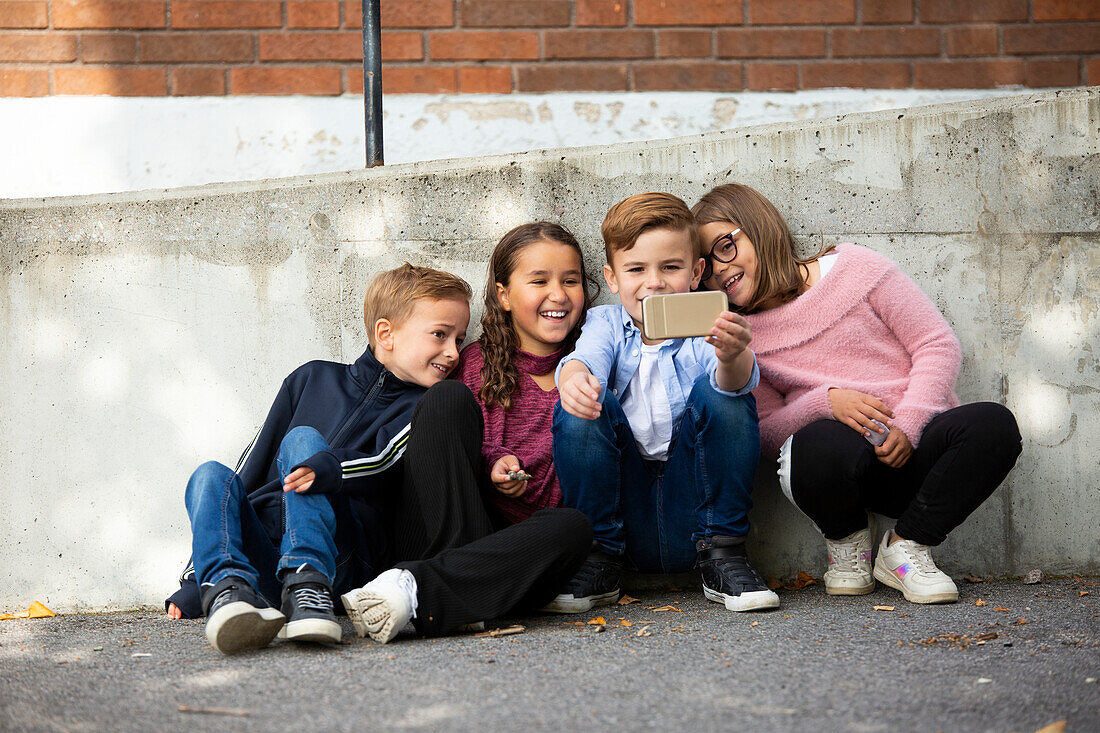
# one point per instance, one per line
(856, 400)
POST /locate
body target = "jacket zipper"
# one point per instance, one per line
(354, 416)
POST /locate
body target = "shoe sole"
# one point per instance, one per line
(312, 629)
(846, 590)
(563, 604)
(351, 603)
(756, 600)
(887, 578)
(240, 627)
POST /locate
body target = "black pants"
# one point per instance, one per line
(442, 533)
(964, 455)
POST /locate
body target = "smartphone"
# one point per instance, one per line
(681, 315)
(877, 439)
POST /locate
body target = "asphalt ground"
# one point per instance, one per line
(1028, 658)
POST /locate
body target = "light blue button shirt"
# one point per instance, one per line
(610, 345)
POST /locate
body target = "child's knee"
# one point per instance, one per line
(211, 478)
(301, 443)
(450, 401)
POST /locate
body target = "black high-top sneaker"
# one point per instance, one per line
(237, 617)
(728, 578)
(597, 583)
(307, 603)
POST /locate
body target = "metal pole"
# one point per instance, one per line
(372, 80)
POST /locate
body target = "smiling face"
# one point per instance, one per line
(545, 295)
(661, 261)
(424, 349)
(737, 278)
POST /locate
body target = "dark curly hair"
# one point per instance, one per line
(499, 340)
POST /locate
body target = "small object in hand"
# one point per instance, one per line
(877, 439)
(519, 476)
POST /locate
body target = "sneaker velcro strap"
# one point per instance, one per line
(719, 553)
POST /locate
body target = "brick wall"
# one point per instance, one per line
(215, 47)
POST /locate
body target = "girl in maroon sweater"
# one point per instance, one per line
(536, 298)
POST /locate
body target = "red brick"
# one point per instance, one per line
(708, 75)
(115, 82)
(399, 46)
(405, 14)
(24, 83)
(276, 80)
(484, 45)
(973, 40)
(801, 12)
(571, 78)
(108, 48)
(484, 80)
(37, 47)
(313, 14)
(601, 12)
(415, 80)
(984, 11)
(849, 42)
(617, 44)
(23, 15)
(681, 12)
(684, 44)
(109, 14)
(886, 11)
(1052, 39)
(968, 74)
(198, 81)
(343, 46)
(1052, 73)
(865, 74)
(1093, 71)
(763, 77)
(769, 43)
(226, 14)
(1067, 10)
(190, 47)
(513, 13)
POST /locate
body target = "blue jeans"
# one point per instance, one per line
(228, 538)
(655, 511)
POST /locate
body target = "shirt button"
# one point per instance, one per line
(635, 352)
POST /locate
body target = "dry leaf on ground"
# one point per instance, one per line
(1084, 593)
(624, 622)
(773, 583)
(506, 631)
(1002, 609)
(1058, 727)
(644, 631)
(974, 579)
(664, 608)
(979, 602)
(883, 608)
(598, 621)
(1079, 579)
(1021, 621)
(625, 599)
(35, 610)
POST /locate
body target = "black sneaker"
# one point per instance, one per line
(237, 617)
(597, 583)
(307, 603)
(728, 578)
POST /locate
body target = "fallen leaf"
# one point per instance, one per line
(644, 631)
(598, 621)
(573, 623)
(664, 608)
(625, 600)
(987, 637)
(883, 608)
(1081, 580)
(35, 610)
(1084, 593)
(625, 623)
(506, 631)
(802, 581)
(979, 602)
(973, 579)
(1021, 621)
(773, 583)
(1058, 727)
(1002, 609)
(754, 623)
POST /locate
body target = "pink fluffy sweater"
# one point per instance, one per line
(864, 326)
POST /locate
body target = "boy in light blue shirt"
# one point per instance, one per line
(658, 441)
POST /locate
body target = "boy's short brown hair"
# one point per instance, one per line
(637, 214)
(393, 294)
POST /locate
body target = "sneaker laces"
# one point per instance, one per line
(739, 569)
(312, 598)
(920, 557)
(844, 554)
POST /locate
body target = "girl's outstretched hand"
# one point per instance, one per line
(857, 409)
(896, 450)
(174, 612)
(499, 477)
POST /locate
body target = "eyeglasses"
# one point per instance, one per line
(724, 251)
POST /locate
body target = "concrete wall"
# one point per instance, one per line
(143, 333)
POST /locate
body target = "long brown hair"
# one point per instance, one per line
(499, 340)
(779, 277)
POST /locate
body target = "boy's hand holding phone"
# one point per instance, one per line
(503, 482)
(579, 391)
(730, 336)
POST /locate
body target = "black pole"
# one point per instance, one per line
(372, 80)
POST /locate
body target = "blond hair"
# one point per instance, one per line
(393, 294)
(637, 214)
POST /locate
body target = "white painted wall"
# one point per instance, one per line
(58, 146)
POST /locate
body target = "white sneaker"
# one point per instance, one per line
(908, 567)
(383, 606)
(849, 572)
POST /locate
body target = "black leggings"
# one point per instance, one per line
(442, 533)
(964, 455)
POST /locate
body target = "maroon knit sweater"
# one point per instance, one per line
(523, 431)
